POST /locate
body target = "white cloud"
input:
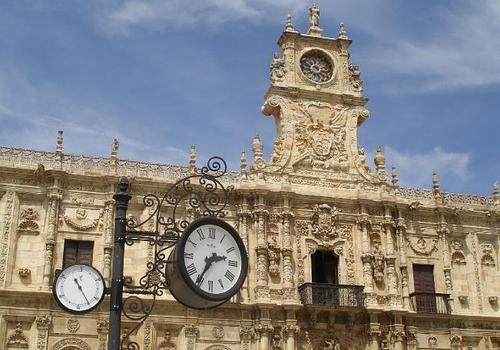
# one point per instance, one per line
(415, 170)
(461, 49)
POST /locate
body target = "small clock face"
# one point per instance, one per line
(79, 288)
(213, 258)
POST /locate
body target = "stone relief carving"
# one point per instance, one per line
(24, 272)
(323, 221)
(378, 261)
(331, 343)
(29, 218)
(355, 77)
(17, 339)
(71, 342)
(487, 258)
(83, 219)
(43, 324)
(218, 332)
(4, 238)
(167, 342)
(73, 325)
(432, 342)
(277, 68)
(422, 246)
(457, 252)
(306, 343)
(273, 253)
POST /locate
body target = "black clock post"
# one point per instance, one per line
(116, 300)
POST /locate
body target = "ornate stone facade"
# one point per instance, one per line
(316, 193)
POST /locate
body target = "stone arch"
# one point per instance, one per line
(71, 344)
(217, 347)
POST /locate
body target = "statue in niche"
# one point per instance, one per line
(378, 262)
(167, 343)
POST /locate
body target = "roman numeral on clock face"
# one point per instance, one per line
(188, 256)
(201, 235)
(229, 250)
(210, 286)
(211, 232)
(191, 269)
(229, 275)
(232, 263)
(190, 241)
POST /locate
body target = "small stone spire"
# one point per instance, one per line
(314, 28)
(342, 32)
(59, 148)
(289, 24)
(257, 148)
(394, 177)
(379, 160)
(192, 159)
(496, 194)
(243, 166)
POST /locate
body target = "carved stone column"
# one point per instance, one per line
(391, 262)
(366, 257)
(456, 342)
(3, 331)
(43, 324)
(148, 335)
(262, 288)
(397, 336)
(289, 292)
(374, 332)
(5, 234)
(191, 333)
(443, 232)
(400, 236)
(102, 333)
(108, 239)
(54, 197)
(247, 333)
(291, 332)
(264, 329)
(411, 338)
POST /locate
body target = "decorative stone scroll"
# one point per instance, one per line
(81, 220)
(487, 258)
(423, 246)
(28, 223)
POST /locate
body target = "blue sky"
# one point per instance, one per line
(162, 75)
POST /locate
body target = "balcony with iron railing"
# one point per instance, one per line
(432, 303)
(331, 294)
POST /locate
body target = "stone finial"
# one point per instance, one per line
(59, 148)
(394, 177)
(496, 193)
(243, 165)
(379, 160)
(435, 183)
(342, 32)
(257, 148)
(192, 159)
(289, 24)
(314, 28)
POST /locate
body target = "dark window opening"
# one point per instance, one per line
(324, 266)
(425, 292)
(77, 252)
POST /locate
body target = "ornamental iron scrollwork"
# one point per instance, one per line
(202, 192)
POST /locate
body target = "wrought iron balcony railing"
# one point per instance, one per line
(434, 303)
(331, 294)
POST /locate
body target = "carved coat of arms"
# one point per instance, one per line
(323, 221)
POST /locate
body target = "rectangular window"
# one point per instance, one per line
(425, 293)
(77, 252)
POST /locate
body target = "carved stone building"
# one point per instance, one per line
(340, 256)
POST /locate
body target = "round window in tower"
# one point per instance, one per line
(316, 66)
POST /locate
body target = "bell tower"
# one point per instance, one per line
(316, 98)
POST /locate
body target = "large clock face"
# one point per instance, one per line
(213, 259)
(79, 288)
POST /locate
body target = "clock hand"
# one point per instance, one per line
(81, 290)
(208, 263)
(217, 258)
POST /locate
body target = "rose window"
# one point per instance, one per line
(316, 66)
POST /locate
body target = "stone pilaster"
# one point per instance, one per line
(247, 334)
(54, 198)
(397, 336)
(264, 330)
(3, 332)
(102, 333)
(291, 331)
(108, 239)
(443, 232)
(374, 332)
(5, 235)
(366, 257)
(262, 288)
(400, 237)
(289, 292)
(191, 332)
(43, 324)
(390, 259)
(411, 338)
